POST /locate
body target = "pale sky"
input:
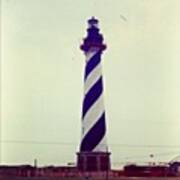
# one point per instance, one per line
(42, 79)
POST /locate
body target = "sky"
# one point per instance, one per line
(42, 79)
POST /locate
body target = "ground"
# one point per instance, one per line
(83, 178)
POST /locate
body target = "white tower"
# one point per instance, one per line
(93, 155)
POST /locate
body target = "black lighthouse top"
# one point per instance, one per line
(94, 39)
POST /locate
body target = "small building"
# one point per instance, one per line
(174, 168)
(146, 170)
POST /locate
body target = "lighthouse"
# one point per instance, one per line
(93, 153)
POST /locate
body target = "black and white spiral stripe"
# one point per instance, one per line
(93, 115)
